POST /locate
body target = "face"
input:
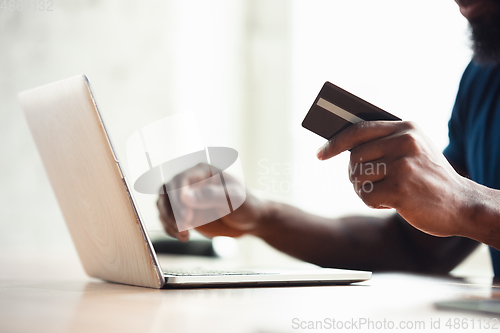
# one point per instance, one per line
(484, 20)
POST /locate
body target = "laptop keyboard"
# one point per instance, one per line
(201, 272)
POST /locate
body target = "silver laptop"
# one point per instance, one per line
(98, 205)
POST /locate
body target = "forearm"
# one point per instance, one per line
(482, 215)
(359, 242)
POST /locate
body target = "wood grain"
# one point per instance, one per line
(88, 183)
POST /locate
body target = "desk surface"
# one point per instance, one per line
(49, 292)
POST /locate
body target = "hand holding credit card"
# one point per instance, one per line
(336, 109)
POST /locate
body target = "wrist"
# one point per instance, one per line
(481, 215)
(268, 213)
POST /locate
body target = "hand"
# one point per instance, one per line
(394, 165)
(197, 200)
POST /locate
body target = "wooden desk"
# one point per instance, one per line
(48, 292)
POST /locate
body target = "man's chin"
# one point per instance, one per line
(480, 8)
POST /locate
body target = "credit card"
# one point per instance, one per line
(336, 109)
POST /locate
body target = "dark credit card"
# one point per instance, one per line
(336, 109)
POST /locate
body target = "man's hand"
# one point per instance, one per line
(393, 165)
(197, 200)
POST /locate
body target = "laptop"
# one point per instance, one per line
(98, 204)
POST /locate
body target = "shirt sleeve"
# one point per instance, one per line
(455, 152)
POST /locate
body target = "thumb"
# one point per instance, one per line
(204, 196)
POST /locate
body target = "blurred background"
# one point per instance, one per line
(248, 69)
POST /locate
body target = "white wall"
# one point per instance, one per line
(143, 58)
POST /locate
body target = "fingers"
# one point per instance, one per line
(168, 220)
(183, 211)
(196, 196)
(367, 172)
(361, 133)
(203, 196)
(369, 161)
(386, 187)
(379, 195)
(188, 194)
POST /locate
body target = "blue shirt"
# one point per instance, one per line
(474, 130)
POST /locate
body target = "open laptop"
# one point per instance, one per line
(98, 205)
